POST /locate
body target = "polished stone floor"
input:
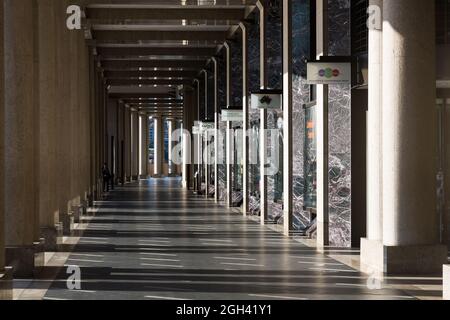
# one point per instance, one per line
(153, 240)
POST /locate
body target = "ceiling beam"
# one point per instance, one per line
(140, 35)
(167, 13)
(150, 74)
(108, 52)
(134, 95)
(148, 64)
(146, 82)
(150, 100)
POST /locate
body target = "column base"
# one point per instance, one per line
(143, 176)
(446, 282)
(26, 261)
(403, 260)
(52, 237)
(67, 223)
(76, 213)
(6, 284)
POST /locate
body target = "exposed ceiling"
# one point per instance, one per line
(150, 49)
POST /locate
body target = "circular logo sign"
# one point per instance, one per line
(329, 73)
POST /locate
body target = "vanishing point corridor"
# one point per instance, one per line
(212, 150)
(154, 240)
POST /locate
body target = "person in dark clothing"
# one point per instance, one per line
(106, 177)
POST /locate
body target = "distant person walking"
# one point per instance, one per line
(106, 177)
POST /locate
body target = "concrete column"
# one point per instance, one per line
(92, 179)
(322, 129)
(48, 104)
(21, 110)
(374, 143)
(134, 145)
(446, 282)
(229, 131)
(172, 166)
(287, 118)
(74, 149)
(263, 114)
(86, 84)
(158, 146)
(5, 272)
(410, 219)
(143, 143)
(2, 148)
(127, 151)
(245, 126)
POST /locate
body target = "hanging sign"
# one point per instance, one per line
(329, 73)
(206, 125)
(233, 113)
(266, 99)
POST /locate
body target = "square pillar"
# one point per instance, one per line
(287, 119)
(446, 282)
(322, 131)
(158, 149)
(143, 146)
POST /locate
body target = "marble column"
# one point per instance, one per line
(204, 138)
(374, 142)
(196, 152)
(229, 131)
(245, 121)
(409, 147)
(263, 113)
(48, 200)
(158, 146)
(287, 119)
(216, 132)
(21, 110)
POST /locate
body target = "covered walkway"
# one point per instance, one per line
(155, 240)
(256, 149)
